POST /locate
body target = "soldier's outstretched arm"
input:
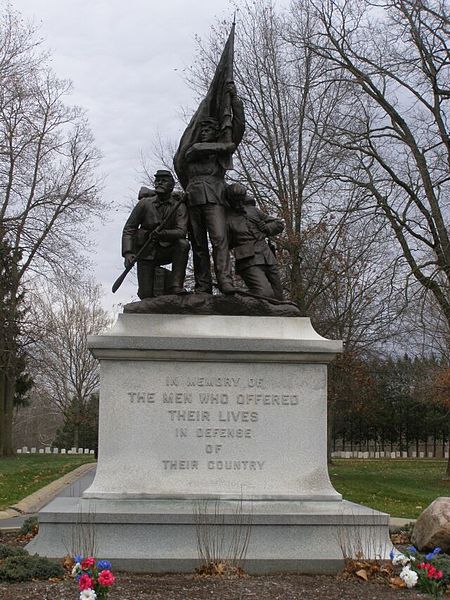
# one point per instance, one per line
(238, 122)
(201, 148)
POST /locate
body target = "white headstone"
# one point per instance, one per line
(19, 450)
(446, 454)
(55, 450)
(41, 450)
(80, 450)
(33, 450)
(63, 450)
(397, 454)
(86, 450)
(414, 454)
(48, 450)
(430, 455)
(91, 451)
(382, 453)
(421, 454)
(392, 454)
(73, 451)
(24, 449)
(404, 455)
(377, 455)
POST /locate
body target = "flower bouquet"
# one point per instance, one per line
(427, 572)
(94, 577)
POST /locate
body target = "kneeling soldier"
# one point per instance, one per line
(248, 228)
(170, 245)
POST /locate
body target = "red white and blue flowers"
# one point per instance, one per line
(421, 571)
(94, 577)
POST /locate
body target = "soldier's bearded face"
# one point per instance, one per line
(163, 186)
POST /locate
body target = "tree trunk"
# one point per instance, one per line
(447, 471)
(76, 435)
(297, 291)
(8, 449)
(2, 410)
(6, 416)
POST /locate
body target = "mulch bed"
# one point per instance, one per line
(190, 587)
(194, 587)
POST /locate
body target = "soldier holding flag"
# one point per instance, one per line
(201, 161)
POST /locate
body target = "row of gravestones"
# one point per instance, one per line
(397, 454)
(48, 450)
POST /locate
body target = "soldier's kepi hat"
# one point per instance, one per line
(164, 173)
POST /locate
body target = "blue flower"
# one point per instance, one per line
(412, 549)
(78, 558)
(103, 564)
(431, 555)
(391, 554)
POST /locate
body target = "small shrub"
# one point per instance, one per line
(30, 525)
(26, 568)
(7, 551)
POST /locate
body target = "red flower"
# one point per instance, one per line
(85, 582)
(431, 571)
(106, 578)
(87, 563)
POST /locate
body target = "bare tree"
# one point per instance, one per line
(288, 163)
(394, 58)
(47, 183)
(65, 372)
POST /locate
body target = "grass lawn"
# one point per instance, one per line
(22, 475)
(402, 488)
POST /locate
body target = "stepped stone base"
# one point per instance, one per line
(161, 536)
(212, 434)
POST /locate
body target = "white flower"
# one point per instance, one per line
(400, 559)
(88, 595)
(409, 577)
(76, 569)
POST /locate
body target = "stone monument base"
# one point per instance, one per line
(213, 443)
(161, 536)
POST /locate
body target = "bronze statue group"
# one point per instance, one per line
(160, 225)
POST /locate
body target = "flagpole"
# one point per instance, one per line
(226, 124)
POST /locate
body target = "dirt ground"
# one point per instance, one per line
(193, 587)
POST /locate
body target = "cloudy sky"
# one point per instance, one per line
(126, 62)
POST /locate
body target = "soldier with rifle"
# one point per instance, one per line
(155, 234)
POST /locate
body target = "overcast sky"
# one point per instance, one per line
(126, 62)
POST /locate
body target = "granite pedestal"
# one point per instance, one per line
(213, 434)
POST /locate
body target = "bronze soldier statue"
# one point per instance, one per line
(204, 164)
(248, 228)
(170, 245)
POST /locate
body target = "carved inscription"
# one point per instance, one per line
(222, 413)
